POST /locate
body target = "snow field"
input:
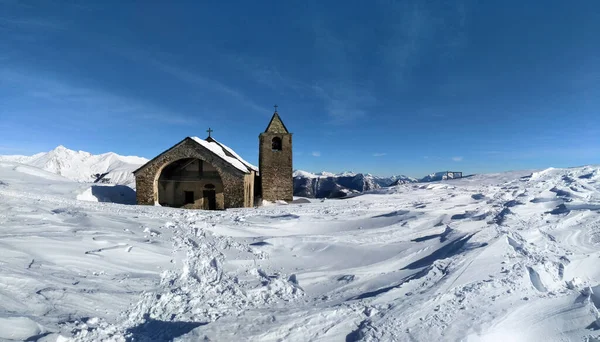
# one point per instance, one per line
(510, 256)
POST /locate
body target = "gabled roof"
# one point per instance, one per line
(276, 125)
(222, 151)
(230, 153)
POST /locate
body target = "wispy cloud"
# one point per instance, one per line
(344, 98)
(345, 101)
(267, 75)
(26, 29)
(195, 79)
(15, 3)
(408, 26)
(415, 28)
(379, 154)
(410, 30)
(335, 51)
(316, 154)
(30, 24)
(86, 101)
(457, 159)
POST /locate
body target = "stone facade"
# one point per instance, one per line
(216, 182)
(238, 187)
(275, 162)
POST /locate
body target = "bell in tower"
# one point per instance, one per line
(275, 161)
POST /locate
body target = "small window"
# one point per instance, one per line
(276, 144)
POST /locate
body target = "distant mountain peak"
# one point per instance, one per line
(82, 166)
(62, 148)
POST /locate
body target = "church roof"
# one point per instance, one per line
(224, 152)
(276, 125)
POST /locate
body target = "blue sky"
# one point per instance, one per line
(387, 87)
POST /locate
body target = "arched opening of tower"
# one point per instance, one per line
(276, 144)
(190, 183)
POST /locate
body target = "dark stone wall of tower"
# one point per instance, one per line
(275, 167)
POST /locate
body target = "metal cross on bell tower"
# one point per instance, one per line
(209, 131)
(275, 108)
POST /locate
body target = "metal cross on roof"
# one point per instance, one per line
(275, 108)
(209, 131)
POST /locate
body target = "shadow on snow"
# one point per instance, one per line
(155, 330)
(120, 194)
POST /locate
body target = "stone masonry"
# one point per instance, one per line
(275, 166)
(146, 177)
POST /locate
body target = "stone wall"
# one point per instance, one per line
(276, 167)
(234, 180)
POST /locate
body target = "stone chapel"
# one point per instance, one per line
(205, 174)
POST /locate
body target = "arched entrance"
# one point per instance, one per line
(190, 183)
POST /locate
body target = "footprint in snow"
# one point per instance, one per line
(478, 196)
(346, 278)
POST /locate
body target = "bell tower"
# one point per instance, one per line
(275, 161)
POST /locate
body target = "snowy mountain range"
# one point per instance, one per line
(330, 185)
(82, 166)
(338, 185)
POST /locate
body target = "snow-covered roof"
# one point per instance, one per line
(226, 154)
(236, 156)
